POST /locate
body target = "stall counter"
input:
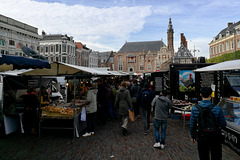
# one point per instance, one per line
(231, 111)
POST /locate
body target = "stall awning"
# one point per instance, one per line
(223, 66)
(63, 69)
(19, 62)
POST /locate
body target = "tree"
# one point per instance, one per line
(224, 57)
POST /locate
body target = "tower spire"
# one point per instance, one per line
(170, 36)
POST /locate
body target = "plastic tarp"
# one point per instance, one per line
(19, 62)
(223, 66)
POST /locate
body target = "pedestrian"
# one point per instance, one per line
(123, 102)
(101, 103)
(208, 141)
(162, 106)
(30, 116)
(135, 89)
(91, 109)
(145, 99)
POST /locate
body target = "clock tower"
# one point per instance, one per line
(170, 37)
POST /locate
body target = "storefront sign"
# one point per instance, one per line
(32, 83)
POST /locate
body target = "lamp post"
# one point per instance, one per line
(234, 43)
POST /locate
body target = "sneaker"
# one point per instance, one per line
(92, 133)
(157, 145)
(146, 132)
(87, 134)
(162, 146)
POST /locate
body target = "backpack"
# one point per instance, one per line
(206, 121)
(146, 99)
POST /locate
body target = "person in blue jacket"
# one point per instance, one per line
(207, 142)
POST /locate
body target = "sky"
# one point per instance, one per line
(106, 25)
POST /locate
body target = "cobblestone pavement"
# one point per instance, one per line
(106, 144)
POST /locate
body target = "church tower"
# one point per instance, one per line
(170, 37)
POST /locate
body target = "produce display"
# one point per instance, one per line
(58, 111)
(177, 102)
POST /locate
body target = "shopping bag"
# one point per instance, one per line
(131, 115)
(134, 100)
(83, 114)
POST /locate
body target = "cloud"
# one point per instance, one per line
(84, 23)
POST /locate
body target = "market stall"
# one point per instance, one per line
(69, 110)
(228, 98)
(9, 119)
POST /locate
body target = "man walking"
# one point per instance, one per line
(145, 98)
(162, 105)
(208, 138)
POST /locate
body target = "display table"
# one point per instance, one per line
(183, 111)
(67, 122)
(231, 111)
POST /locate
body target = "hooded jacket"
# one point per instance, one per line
(91, 101)
(123, 100)
(162, 105)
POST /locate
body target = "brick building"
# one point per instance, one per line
(146, 56)
(227, 41)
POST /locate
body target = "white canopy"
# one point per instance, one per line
(223, 66)
(63, 69)
(14, 72)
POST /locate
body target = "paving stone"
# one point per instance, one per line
(107, 143)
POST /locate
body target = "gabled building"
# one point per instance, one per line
(146, 56)
(183, 55)
(106, 59)
(83, 54)
(226, 41)
(57, 47)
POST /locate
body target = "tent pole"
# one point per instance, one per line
(40, 105)
(57, 69)
(74, 107)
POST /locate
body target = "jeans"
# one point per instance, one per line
(90, 122)
(209, 145)
(146, 118)
(157, 125)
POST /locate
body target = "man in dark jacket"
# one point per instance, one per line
(146, 106)
(207, 142)
(162, 106)
(135, 89)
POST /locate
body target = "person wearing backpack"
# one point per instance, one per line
(206, 122)
(162, 106)
(134, 95)
(145, 99)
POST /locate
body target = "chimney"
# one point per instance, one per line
(229, 24)
(183, 40)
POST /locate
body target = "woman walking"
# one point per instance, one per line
(123, 102)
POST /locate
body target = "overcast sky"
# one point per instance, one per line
(105, 25)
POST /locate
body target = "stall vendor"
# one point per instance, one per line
(45, 99)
